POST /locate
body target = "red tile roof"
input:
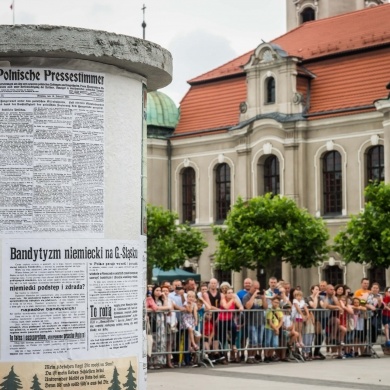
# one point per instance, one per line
(212, 106)
(353, 81)
(341, 82)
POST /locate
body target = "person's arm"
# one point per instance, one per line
(313, 303)
(165, 305)
(306, 310)
(151, 304)
(327, 305)
(206, 299)
(280, 316)
(207, 305)
(249, 302)
(348, 309)
(195, 308)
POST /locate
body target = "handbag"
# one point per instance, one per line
(350, 324)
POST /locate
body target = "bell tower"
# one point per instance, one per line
(301, 11)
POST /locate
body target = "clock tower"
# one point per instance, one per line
(301, 11)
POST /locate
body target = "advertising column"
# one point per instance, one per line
(72, 208)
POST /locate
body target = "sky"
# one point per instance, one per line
(201, 34)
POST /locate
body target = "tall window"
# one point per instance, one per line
(271, 175)
(307, 15)
(375, 164)
(188, 194)
(334, 275)
(332, 183)
(223, 276)
(222, 183)
(270, 90)
(378, 274)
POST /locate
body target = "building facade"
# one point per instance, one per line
(305, 115)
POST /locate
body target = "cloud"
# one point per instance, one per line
(195, 53)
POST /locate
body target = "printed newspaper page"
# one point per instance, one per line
(51, 151)
(71, 299)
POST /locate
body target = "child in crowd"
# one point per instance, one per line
(359, 316)
(189, 319)
(208, 332)
(290, 335)
(274, 321)
(308, 332)
(300, 314)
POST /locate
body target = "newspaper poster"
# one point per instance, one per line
(71, 300)
(96, 374)
(51, 152)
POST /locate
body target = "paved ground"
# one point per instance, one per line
(330, 374)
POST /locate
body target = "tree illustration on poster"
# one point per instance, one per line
(11, 382)
(35, 384)
(115, 384)
(131, 383)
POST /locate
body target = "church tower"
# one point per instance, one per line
(301, 11)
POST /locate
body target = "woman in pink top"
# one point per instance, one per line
(229, 303)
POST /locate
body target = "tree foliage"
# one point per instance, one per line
(169, 244)
(366, 237)
(268, 229)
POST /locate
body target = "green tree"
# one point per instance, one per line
(115, 384)
(11, 381)
(366, 238)
(169, 244)
(131, 383)
(267, 230)
(35, 384)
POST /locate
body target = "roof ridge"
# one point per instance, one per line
(323, 20)
(194, 79)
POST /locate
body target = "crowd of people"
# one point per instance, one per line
(255, 325)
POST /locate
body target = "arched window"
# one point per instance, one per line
(271, 175)
(188, 195)
(334, 275)
(375, 164)
(270, 90)
(332, 183)
(222, 183)
(307, 15)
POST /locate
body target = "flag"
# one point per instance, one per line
(12, 5)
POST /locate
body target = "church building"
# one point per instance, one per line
(306, 115)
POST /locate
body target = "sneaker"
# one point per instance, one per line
(267, 360)
(321, 356)
(258, 358)
(250, 360)
(275, 359)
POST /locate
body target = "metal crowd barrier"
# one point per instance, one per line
(235, 336)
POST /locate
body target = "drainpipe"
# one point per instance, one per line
(169, 155)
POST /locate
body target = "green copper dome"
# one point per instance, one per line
(161, 111)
